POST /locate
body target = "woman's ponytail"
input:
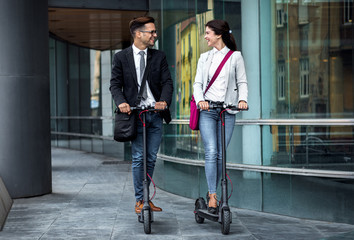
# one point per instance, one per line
(229, 40)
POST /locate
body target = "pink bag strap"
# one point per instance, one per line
(218, 70)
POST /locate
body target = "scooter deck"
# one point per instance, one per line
(205, 214)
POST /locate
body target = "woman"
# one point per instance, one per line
(230, 87)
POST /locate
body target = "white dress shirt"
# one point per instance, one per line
(150, 101)
(217, 91)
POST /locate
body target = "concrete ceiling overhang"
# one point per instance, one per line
(92, 28)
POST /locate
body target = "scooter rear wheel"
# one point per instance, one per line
(199, 204)
(198, 219)
(225, 224)
(147, 221)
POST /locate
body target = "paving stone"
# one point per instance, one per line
(93, 199)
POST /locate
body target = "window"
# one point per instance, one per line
(348, 11)
(281, 80)
(304, 77)
(280, 18)
(281, 15)
(202, 24)
(281, 47)
(303, 12)
(178, 32)
(304, 36)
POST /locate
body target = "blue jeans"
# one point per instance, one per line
(153, 141)
(210, 130)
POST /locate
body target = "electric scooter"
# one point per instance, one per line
(223, 214)
(146, 215)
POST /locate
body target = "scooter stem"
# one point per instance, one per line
(224, 198)
(145, 183)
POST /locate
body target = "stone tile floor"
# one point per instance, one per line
(93, 199)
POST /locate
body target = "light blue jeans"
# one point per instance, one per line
(210, 130)
(153, 141)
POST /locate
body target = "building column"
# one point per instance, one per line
(251, 135)
(25, 150)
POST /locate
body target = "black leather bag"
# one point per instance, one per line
(125, 126)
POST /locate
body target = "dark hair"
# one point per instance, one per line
(139, 22)
(221, 27)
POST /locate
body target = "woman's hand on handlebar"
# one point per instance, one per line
(124, 108)
(242, 105)
(203, 105)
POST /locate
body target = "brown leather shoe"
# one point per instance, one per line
(139, 206)
(154, 208)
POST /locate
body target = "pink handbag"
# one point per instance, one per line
(194, 116)
(194, 113)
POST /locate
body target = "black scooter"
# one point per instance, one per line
(223, 214)
(146, 215)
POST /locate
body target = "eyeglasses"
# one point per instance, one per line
(151, 32)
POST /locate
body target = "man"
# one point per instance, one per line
(128, 70)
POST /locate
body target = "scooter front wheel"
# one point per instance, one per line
(226, 220)
(147, 221)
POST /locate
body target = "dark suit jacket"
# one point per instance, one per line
(124, 84)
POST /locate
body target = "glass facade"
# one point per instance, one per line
(292, 149)
(308, 75)
(78, 100)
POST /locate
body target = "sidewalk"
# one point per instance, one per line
(93, 199)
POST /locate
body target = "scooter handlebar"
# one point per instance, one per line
(147, 108)
(144, 108)
(224, 106)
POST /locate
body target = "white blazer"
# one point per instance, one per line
(236, 80)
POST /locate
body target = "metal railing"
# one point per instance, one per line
(243, 167)
(289, 122)
(286, 122)
(268, 169)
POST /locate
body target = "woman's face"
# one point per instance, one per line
(211, 38)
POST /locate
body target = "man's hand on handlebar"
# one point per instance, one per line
(124, 108)
(161, 105)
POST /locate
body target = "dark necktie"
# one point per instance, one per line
(142, 69)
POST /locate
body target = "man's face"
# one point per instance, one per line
(147, 35)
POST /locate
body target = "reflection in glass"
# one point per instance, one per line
(312, 51)
(313, 41)
(187, 45)
(315, 147)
